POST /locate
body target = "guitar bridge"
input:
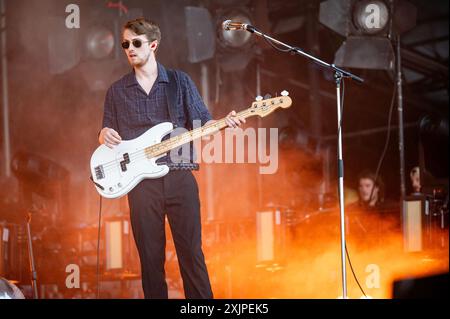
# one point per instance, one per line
(99, 173)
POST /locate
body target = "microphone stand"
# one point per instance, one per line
(339, 75)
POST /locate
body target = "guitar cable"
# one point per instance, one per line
(98, 238)
(98, 247)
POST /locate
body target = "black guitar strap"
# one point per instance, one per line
(171, 95)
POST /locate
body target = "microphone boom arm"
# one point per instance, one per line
(229, 25)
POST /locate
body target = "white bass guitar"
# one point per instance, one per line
(117, 171)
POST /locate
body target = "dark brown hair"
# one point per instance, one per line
(142, 26)
(366, 174)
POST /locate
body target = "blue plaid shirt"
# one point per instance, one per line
(131, 112)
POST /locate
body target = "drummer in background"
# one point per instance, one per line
(370, 192)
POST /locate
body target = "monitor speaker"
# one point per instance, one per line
(120, 251)
(435, 286)
(272, 236)
(200, 33)
(414, 210)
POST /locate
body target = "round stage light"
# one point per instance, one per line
(99, 42)
(370, 17)
(238, 38)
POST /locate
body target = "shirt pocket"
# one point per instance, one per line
(132, 104)
(156, 109)
(131, 113)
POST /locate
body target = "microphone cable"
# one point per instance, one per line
(383, 154)
(339, 131)
(388, 137)
(270, 42)
(273, 45)
(353, 272)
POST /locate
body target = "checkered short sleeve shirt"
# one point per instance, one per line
(130, 111)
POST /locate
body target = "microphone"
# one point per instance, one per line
(229, 25)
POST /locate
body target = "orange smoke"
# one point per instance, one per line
(307, 262)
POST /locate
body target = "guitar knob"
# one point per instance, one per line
(258, 98)
(120, 185)
(284, 93)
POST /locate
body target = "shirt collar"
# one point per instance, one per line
(162, 76)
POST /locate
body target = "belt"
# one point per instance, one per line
(183, 166)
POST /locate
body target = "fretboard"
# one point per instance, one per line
(176, 141)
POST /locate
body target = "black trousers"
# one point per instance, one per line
(175, 194)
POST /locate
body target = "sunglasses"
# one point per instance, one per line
(136, 43)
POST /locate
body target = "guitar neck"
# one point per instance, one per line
(176, 141)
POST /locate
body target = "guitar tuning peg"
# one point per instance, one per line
(285, 93)
(258, 98)
(267, 96)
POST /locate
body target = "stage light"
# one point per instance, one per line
(40, 172)
(33, 167)
(353, 18)
(97, 39)
(200, 33)
(370, 17)
(368, 27)
(366, 53)
(99, 42)
(93, 49)
(238, 38)
(235, 48)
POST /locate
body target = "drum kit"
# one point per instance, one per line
(37, 244)
(19, 245)
(12, 238)
(50, 249)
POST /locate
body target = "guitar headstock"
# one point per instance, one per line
(265, 107)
